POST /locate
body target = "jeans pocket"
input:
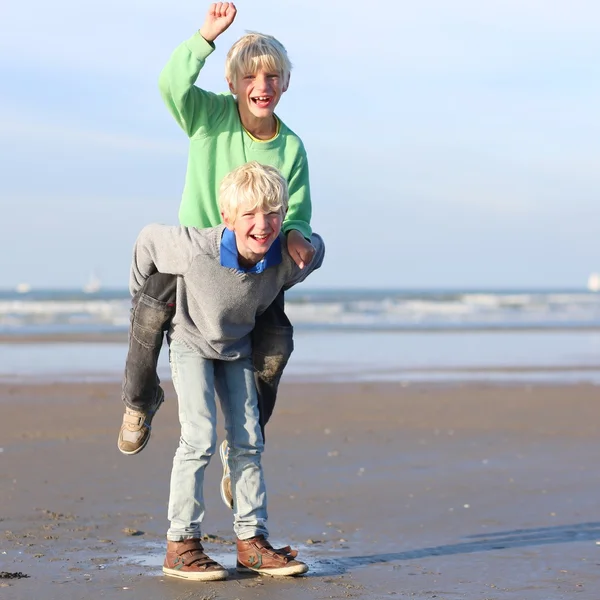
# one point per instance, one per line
(149, 321)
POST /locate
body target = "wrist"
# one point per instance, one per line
(208, 36)
(295, 233)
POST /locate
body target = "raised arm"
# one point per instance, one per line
(162, 249)
(192, 107)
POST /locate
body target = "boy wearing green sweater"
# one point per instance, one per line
(225, 131)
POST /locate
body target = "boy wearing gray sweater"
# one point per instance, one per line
(230, 274)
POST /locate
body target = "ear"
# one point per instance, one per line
(286, 85)
(227, 221)
(231, 87)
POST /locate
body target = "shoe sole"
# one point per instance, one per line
(208, 576)
(279, 572)
(140, 448)
(226, 475)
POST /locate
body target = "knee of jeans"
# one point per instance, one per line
(247, 448)
(149, 322)
(269, 368)
(196, 447)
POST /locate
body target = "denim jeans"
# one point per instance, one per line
(196, 379)
(153, 309)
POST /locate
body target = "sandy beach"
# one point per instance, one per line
(388, 490)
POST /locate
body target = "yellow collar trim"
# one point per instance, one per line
(255, 139)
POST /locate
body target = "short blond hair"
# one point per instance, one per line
(253, 186)
(255, 51)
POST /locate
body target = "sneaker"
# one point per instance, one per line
(256, 554)
(187, 560)
(136, 427)
(226, 494)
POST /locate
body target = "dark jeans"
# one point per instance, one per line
(153, 309)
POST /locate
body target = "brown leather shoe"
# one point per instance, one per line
(187, 560)
(256, 554)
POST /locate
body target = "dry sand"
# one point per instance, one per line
(476, 492)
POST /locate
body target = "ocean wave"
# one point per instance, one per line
(64, 311)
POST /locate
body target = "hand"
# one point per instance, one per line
(300, 249)
(219, 17)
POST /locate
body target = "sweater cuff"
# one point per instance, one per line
(301, 226)
(199, 47)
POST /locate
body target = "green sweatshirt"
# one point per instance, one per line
(219, 143)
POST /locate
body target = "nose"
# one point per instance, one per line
(260, 221)
(262, 82)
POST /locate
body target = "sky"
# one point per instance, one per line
(451, 144)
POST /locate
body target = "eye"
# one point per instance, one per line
(247, 77)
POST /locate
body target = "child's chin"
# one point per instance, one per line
(263, 113)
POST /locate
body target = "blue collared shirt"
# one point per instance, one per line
(229, 254)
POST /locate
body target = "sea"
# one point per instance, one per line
(351, 335)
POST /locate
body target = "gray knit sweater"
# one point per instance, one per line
(216, 305)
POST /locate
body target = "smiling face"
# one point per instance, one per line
(253, 200)
(257, 70)
(255, 231)
(258, 93)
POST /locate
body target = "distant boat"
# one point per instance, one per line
(593, 283)
(93, 285)
(23, 288)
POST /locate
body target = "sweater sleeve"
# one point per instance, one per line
(298, 275)
(162, 249)
(299, 205)
(193, 108)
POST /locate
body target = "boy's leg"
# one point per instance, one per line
(237, 391)
(152, 311)
(193, 378)
(272, 346)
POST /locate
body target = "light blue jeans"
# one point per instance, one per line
(196, 379)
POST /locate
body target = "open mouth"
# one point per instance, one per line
(261, 101)
(261, 239)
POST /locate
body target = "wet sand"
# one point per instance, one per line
(389, 491)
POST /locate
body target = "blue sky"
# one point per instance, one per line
(451, 144)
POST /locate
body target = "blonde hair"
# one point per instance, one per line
(255, 51)
(253, 186)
